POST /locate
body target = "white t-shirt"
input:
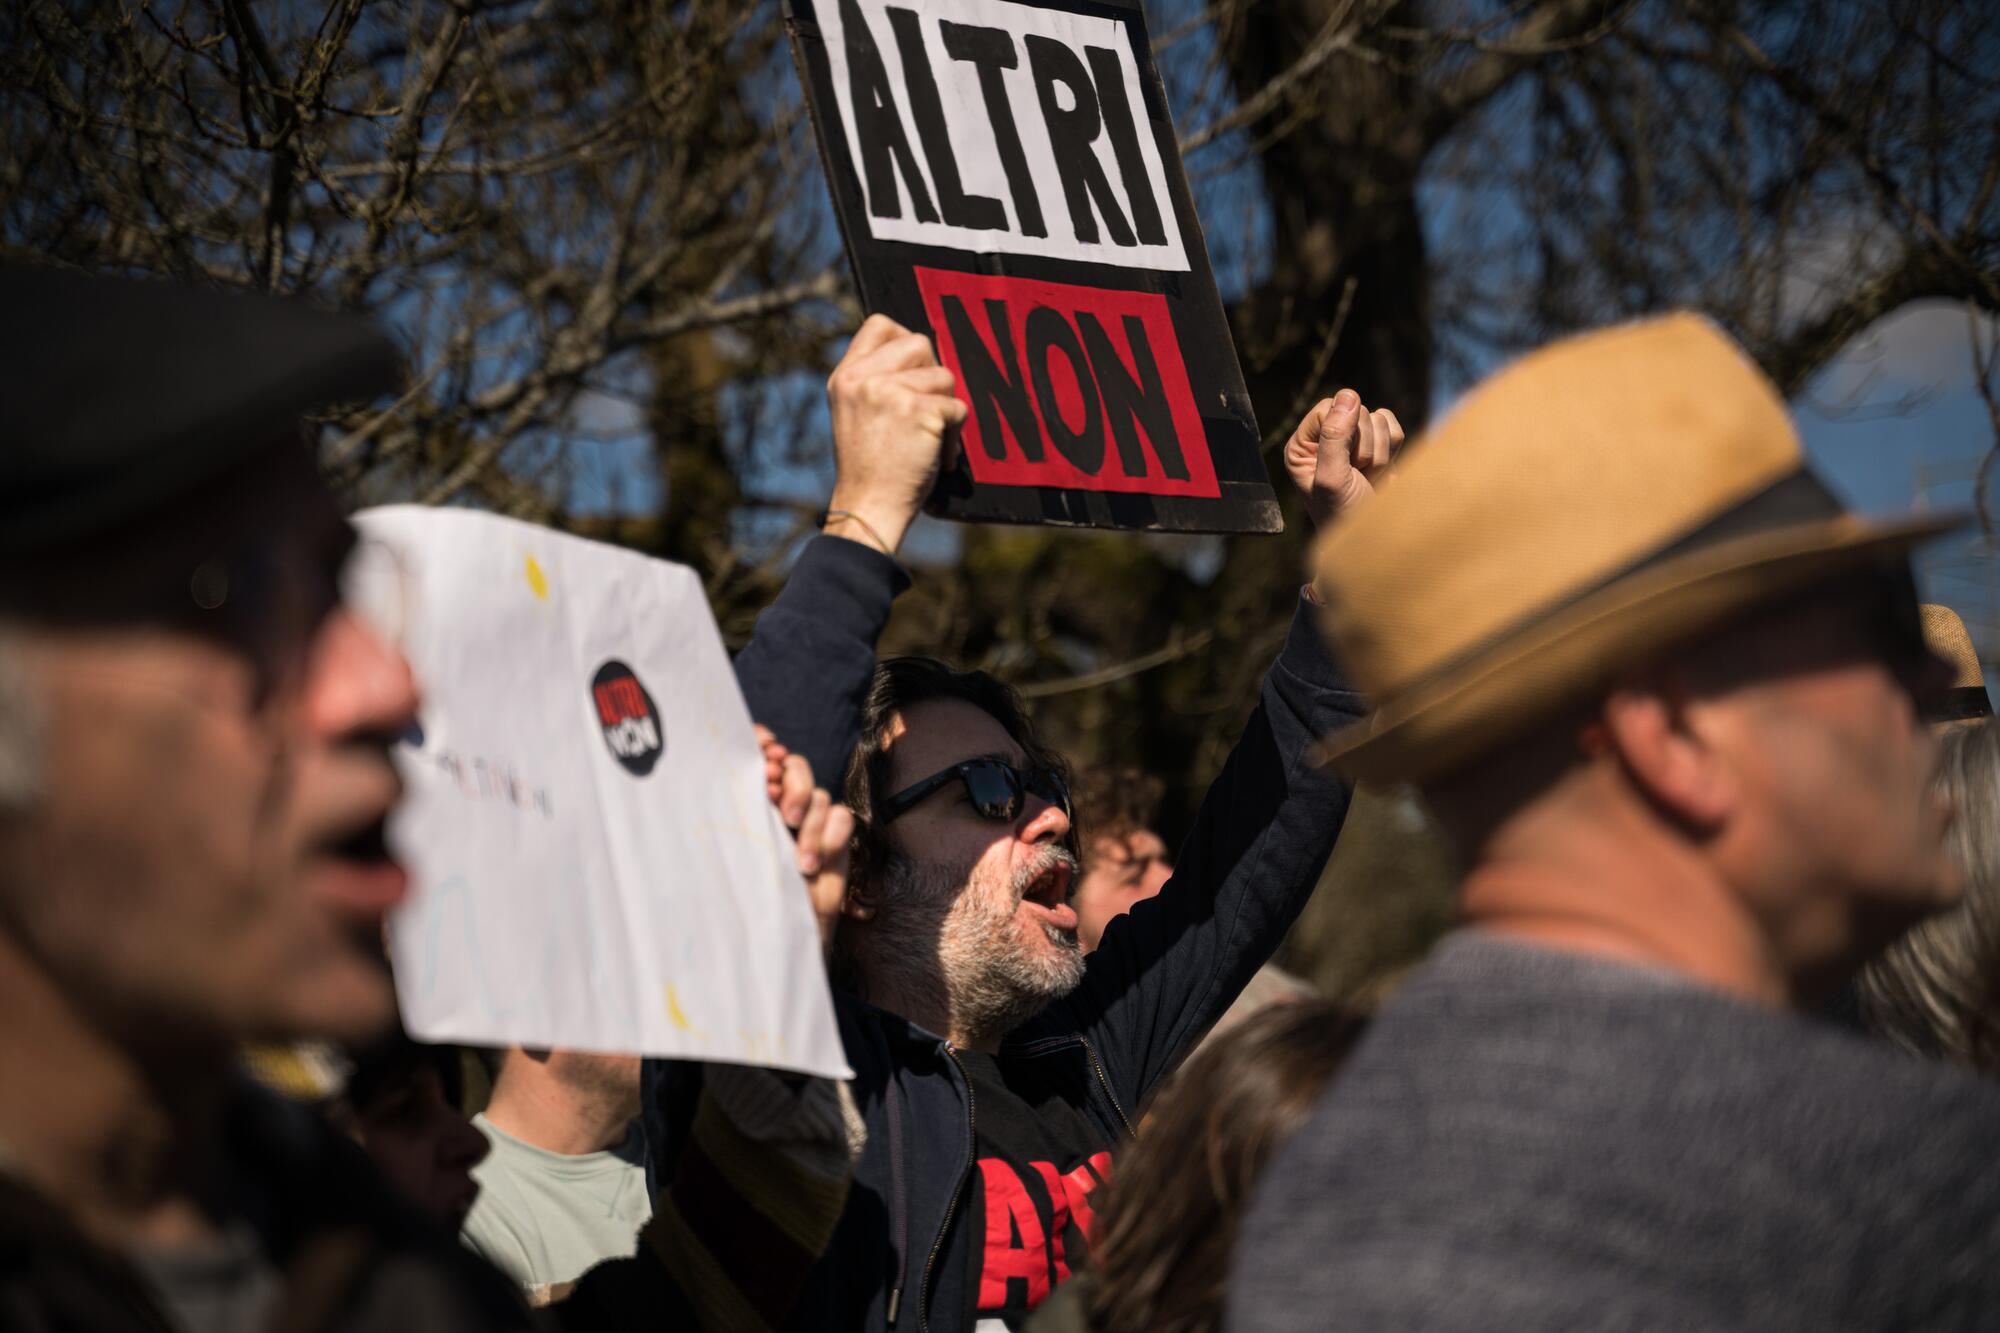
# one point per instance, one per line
(546, 1217)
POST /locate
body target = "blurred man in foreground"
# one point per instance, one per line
(196, 738)
(194, 781)
(1664, 693)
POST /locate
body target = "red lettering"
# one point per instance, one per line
(1059, 1198)
(1076, 387)
(618, 700)
(1010, 1212)
(1077, 1185)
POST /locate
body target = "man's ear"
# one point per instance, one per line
(857, 904)
(1647, 729)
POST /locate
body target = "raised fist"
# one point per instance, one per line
(1338, 452)
(893, 410)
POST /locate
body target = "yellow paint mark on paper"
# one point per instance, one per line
(761, 1045)
(677, 1016)
(538, 581)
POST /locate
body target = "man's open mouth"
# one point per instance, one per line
(1050, 888)
(368, 844)
(358, 874)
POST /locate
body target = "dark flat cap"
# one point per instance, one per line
(117, 396)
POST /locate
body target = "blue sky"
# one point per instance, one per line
(1896, 422)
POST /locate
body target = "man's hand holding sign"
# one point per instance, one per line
(893, 411)
(1007, 179)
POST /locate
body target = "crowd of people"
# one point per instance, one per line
(1709, 1048)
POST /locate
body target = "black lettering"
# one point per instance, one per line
(990, 50)
(885, 150)
(1110, 80)
(1071, 133)
(987, 385)
(1128, 398)
(1049, 332)
(974, 211)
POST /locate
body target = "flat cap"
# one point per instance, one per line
(118, 395)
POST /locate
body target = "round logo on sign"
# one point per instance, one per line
(631, 723)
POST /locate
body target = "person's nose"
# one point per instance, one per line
(463, 1146)
(1158, 871)
(358, 685)
(1046, 822)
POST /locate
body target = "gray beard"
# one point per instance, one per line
(932, 927)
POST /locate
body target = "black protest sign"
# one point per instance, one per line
(1008, 181)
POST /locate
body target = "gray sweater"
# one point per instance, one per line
(1529, 1139)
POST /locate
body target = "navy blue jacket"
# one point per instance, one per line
(806, 670)
(1162, 975)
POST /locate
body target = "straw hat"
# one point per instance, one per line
(1966, 701)
(1594, 502)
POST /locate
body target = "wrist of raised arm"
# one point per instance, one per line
(846, 586)
(868, 518)
(1306, 655)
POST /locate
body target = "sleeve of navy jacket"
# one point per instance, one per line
(1168, 969)
(806, 670)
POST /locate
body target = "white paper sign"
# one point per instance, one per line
(594, 863)
(985, 125)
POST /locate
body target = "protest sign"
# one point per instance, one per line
(1008, 180)
(594, 862)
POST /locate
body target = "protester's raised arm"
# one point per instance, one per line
(806, 669)
(1168, 969)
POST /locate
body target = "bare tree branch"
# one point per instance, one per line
(1557, 25)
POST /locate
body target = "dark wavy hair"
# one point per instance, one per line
(904, 682)
(1116, 801)
(1166, 1222)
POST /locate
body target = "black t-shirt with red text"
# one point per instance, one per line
(1028, 1207)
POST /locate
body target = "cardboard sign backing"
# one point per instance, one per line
(1008, 181)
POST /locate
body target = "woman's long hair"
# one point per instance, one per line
(1166, 1223)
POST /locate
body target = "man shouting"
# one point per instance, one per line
(997, 1067)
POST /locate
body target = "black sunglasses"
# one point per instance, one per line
(994, 787)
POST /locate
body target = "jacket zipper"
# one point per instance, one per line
(951, 1209)
(1105, 1083)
